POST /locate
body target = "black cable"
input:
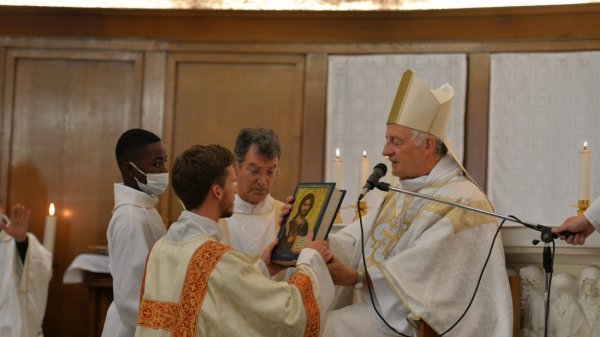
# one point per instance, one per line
(362, 239)
(548, 270)
(478, 281)
(366, 276)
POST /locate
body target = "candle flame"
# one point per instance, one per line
(585, 145)
(337, 153)
(51, 209)
(364, 153)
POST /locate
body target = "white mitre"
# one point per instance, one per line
(423, 109)
(420, 108)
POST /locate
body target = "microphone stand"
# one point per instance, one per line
(546, 235)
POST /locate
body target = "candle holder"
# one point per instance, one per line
(582, 205)
(363, 209)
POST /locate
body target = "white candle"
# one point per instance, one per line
(584, 173)
(363, 172)
(338, 169)
(50, 229)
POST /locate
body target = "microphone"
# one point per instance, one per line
(378, 172)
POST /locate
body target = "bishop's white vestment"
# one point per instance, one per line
(134, 227)
(424, 259)
(23, 287)
(196, 286)
(251, 228)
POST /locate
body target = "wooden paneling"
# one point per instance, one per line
(539, 22)
(66, 110)
(476, 117)
(4, 132)
(210, 97)
(314, 116)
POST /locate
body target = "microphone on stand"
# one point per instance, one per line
(379, 172)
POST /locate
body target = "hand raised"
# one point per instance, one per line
(19, 223)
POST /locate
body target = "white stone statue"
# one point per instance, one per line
(596, 324)
(532, 301)
(566, 314)
(589, 295)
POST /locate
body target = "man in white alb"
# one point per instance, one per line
(135, 224)
(25, 272)
(256, 214)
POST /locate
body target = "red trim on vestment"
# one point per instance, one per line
(313, 317)
(181, 318)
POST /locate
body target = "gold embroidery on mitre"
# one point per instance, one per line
(313, 317)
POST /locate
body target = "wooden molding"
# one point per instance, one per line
(536, 22)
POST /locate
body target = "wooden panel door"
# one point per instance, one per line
(210, 97)
(63, 112)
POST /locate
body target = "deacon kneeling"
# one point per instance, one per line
(196, 286)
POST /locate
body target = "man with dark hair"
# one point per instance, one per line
(25, 271)
(194, 285)
(135, 224)
(255, 220)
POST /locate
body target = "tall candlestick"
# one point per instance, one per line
(50, 229)
(338, 169)
(584, 173)
(364, 171)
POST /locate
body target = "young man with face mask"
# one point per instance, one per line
(25, 271)
(135, 224)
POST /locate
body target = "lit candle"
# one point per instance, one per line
(338, 169)
(364, 171)
(50, 229)
(584, 173)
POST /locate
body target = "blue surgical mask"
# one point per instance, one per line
(156, 183)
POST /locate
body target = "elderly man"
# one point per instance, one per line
(25, 271)
(255, 221)
(196, 286)
(423, 258)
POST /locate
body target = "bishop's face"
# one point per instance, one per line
(226, 203)
(407, 158)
